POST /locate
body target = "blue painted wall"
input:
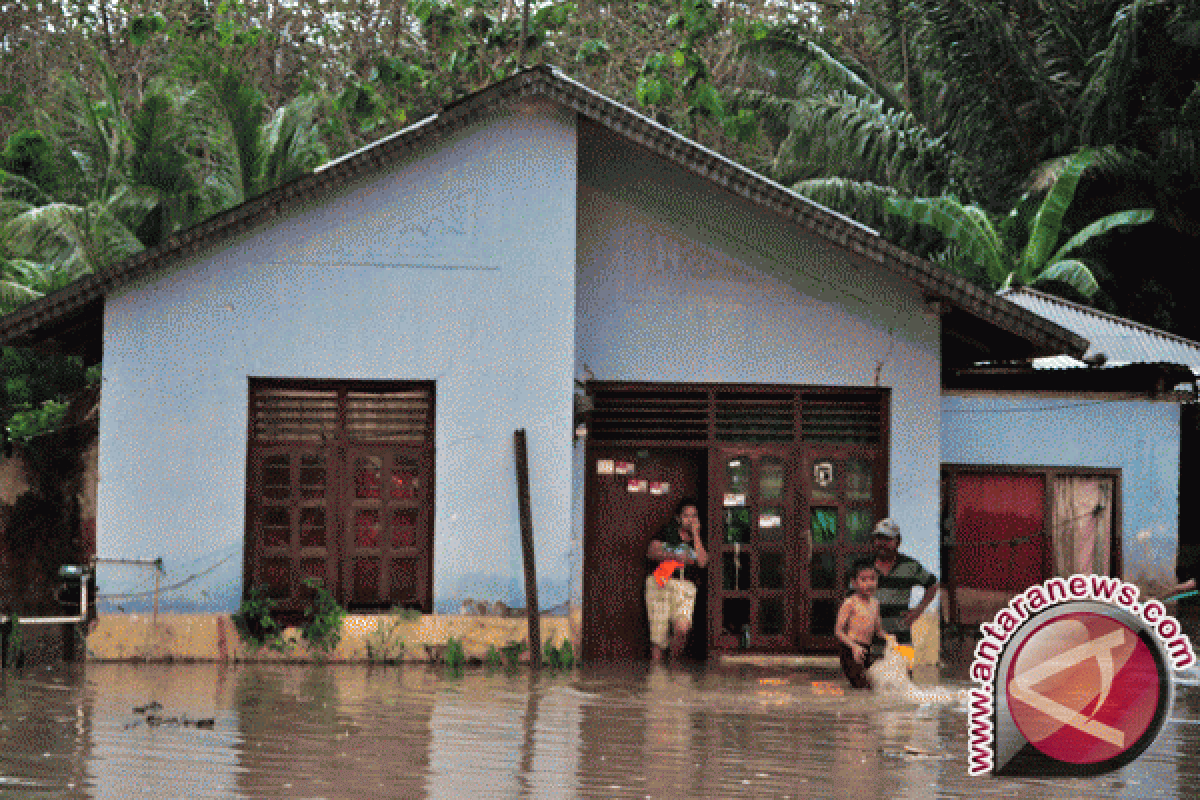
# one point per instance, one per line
(456, 266)
(1139, 437)
(681, 281)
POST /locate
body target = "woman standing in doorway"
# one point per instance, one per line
(670, 596)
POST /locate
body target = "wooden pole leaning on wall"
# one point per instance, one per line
(531, 596)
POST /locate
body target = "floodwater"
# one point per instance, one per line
(303, 731)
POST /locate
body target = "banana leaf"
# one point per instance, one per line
(1138, 216)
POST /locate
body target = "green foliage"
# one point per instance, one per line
(35, 389)
(558, 657)
(1019, 251)
(512, 652)
(24, 425)
(323, 617)
(384, 645)
(492, 658)
(454, 658)
(697, 23)
(143, 28)
(30, 154)
(14, 644)
(254, 622)
(593, 51)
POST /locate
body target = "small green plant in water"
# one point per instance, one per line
(384, 645)
(454, 657)
(254, 622)
(558, 657)
(10, 633)
(323, 617)
(512, 652)
(566, 654)
(493, 658)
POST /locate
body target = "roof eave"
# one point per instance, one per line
(1045, 337)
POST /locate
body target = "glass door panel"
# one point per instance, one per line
(759, 572)
(841, 503)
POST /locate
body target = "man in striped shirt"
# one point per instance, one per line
(898, 574)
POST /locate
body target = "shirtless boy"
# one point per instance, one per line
(858, 622)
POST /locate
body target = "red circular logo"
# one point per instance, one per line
(1083, 688)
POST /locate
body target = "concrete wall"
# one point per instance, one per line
(1139, 437)
(456, 266)
(679, 281)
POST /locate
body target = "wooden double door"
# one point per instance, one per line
(782, 526)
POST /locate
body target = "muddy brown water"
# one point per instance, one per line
(415, 732)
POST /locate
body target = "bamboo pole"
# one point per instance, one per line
(531, 596)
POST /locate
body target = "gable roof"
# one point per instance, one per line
(1121, 341)
(977, 325)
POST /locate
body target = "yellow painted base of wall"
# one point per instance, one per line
(365, 638)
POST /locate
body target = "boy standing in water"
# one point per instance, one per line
(858, 622)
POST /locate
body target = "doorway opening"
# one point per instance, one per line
(790, 481)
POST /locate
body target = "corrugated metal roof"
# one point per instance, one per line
(1120, 340)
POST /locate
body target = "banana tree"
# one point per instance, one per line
(1021, 249)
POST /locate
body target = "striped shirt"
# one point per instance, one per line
(895, 593)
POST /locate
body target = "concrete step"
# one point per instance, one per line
(780, 660)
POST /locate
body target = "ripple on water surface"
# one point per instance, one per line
(412, 732)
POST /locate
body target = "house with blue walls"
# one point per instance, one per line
(324, 382)
(1068, 464)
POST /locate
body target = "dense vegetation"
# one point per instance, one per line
(1015, 141)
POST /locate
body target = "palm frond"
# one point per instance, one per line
(863, 140)
(95, 134)
(773, 110)
(861, 200)
(244, 110)
(20, 189)
(1103, 104)
(77, 239)
(132, 205)
(14, 294)
(214, 163)
(815, 68)
(290, 144)
(998, 101)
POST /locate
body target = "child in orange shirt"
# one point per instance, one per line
(858, 622)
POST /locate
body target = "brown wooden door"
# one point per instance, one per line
(618, 527)
(758, 576)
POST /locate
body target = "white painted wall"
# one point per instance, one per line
(679, 281)
(457, 266)
(1138, 437)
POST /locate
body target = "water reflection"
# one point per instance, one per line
(410, 732)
